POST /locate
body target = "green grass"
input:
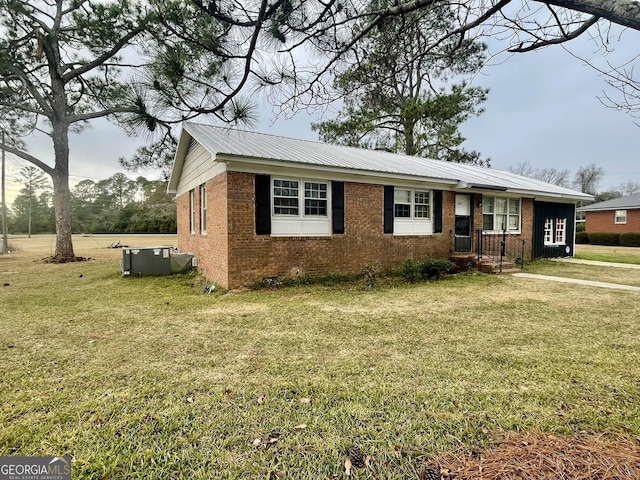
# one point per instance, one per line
(623, 276)
(150, 378)
(608, 254)
(616, 258)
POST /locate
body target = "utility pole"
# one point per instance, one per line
(4, 203)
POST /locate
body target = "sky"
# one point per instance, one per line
(542, 109)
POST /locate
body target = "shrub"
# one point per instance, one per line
(371, 273)
(414, 271)
(611, 239)
(436, 268)
(582, 238)
(630, 239)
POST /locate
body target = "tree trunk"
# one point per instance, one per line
(30, 198)
(62, 194)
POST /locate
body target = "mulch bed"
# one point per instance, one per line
(536, 457)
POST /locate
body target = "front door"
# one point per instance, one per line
(463, 223)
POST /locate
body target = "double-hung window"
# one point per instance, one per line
(300, 207)
(203, 209)
(620, 217)
(192, 211)
(555, 231)
(412, 212)
(500, 213)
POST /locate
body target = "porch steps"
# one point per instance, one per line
(486, 265)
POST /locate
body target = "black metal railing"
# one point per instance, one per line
(500, 247)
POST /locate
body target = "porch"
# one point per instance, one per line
(493, 253)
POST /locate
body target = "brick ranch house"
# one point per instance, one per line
(253, 206)
(619, 215)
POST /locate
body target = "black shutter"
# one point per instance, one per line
(337, 206)
(263, 205)
(388, 209)
(437, 211)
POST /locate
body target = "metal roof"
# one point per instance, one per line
(223, 141)
(630, 202)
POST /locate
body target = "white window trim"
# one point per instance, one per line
(615, 217)
(555, 240)
(203, 209)
(412, 225)
(499, 231)
(300, 225)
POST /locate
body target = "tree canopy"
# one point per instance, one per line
(398, 94)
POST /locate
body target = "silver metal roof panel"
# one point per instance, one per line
(222, 141)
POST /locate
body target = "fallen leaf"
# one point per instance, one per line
(257, 442)
(485, 430)
(189, 399)
(272, 440)
(368, 461)
(305, 400)
(347, 467)
(302, 426)
(260, 400)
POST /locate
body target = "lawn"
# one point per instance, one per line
(150, 378)
(608, 254)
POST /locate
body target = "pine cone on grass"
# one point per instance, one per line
(356, 457)
(430, 473)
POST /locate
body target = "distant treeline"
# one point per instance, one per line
(114, 205)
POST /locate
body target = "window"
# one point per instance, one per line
(555, 231)
(500, 213)
(620, 217)
(402, 203)
(192, 210)
(285, 197)
(300, 207)
(411, 204)
(203, 208)
(315, 198)
(412, 212)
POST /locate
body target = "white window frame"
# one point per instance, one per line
(412, 224)
(203, 209)
(301, 223)
(192, 211)
(492, 200)
(620, 217)
(555, 231)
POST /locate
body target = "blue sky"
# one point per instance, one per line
(542, 109)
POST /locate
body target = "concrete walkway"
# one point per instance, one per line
(599, 264)
(589, 283)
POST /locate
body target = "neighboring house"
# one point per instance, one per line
(618, 215)
(254, 206)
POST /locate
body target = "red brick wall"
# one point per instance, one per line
(603, 222)
(212, 249)
(232, 255)
(253, 257)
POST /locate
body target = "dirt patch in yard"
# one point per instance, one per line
(531, 456)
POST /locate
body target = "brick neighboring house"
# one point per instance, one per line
(618, 215)
(253, 206)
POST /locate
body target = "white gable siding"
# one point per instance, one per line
(198, 168)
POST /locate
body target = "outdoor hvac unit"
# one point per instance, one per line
(155, 261)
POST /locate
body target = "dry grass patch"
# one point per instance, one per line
(536, 456)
